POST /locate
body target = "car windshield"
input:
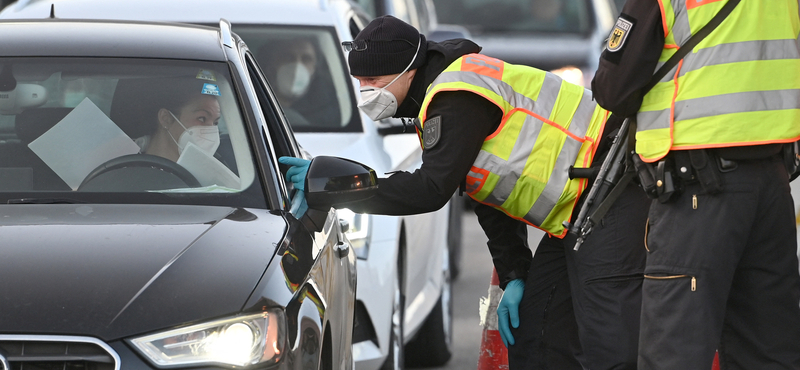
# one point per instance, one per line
(306, 69)
(157, 130)
(517, 16)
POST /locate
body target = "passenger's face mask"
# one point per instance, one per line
(206, 138)
(293, 79)
(379, 103)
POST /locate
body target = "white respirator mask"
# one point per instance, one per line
(379, 103)
(293, 79)
(206, 138)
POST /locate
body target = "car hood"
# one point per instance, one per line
(112, 271)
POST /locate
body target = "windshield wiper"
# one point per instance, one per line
(43, 201)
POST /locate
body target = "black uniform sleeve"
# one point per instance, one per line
(621, 74)
(508, 244)
(466, 120)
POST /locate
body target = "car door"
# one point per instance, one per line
(332, 274)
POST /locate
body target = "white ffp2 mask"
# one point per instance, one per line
(293, 79)
(206, 138)
(379, 103)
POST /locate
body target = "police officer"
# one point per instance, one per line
(510, 131)
(722, 273)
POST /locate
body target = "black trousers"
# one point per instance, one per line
(580, 310)
(722, 273)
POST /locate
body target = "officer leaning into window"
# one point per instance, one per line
(722, 271)
(510, 131)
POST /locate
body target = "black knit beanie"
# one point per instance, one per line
(390, 45)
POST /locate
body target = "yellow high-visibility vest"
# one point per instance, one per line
(548, 125)
(739, 86)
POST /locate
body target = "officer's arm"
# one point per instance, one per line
(465, 120)
(625, 70)
(508, 244)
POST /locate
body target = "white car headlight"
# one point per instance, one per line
(358, 232)
(237, 341)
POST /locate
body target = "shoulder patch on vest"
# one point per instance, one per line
(432, 132)
(616, 40)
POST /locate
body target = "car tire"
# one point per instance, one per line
(395, 360)
(433, 344)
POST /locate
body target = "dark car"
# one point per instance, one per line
(144, 219)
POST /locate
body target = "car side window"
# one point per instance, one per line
(282, 137)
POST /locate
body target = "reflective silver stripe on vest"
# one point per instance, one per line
(737, 103)
(681, 30)
(510, 171)
(716, 105)
(583, 115)
(651, 120)
(543, 106)
(741, 52)
(667, 77)
(555, 185)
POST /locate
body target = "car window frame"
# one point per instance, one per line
(266, 159)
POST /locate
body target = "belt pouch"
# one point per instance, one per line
(707, 175)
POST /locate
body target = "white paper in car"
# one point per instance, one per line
(83, 140)
(207, 169)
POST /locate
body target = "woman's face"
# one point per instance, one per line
(201, 110)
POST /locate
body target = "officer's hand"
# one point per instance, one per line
(508, 310)
(299, 205)
(297, 174)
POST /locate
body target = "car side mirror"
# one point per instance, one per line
(334, 180)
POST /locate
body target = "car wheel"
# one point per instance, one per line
(395, 360)
(433, 345)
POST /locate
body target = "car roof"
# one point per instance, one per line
(294, 12)
(92, 38)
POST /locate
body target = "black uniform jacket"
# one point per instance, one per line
(466, 120)
(621, 74)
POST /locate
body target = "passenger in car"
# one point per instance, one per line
(303, 86)
(504, 128)
(190, 114)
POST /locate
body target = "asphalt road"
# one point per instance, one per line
(471, 285)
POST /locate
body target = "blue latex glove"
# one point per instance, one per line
(296, 174)
(299, 205)
(508, 310)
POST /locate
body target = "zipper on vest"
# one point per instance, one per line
(694, 201)
(672, 277)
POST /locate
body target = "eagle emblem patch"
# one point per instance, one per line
(432, 132)
(619, 34)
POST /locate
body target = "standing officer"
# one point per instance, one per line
(511, 131)
(722, 272)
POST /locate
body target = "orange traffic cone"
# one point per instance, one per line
(494, 354)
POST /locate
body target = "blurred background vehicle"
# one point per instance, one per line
(120, 256)
(404, 262)
(422, 15)
(554, 35)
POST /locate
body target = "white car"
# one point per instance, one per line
(403, 291)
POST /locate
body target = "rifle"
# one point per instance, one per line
(615, 173)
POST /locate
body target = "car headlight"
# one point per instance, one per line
(358, 232)
(237, 341)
